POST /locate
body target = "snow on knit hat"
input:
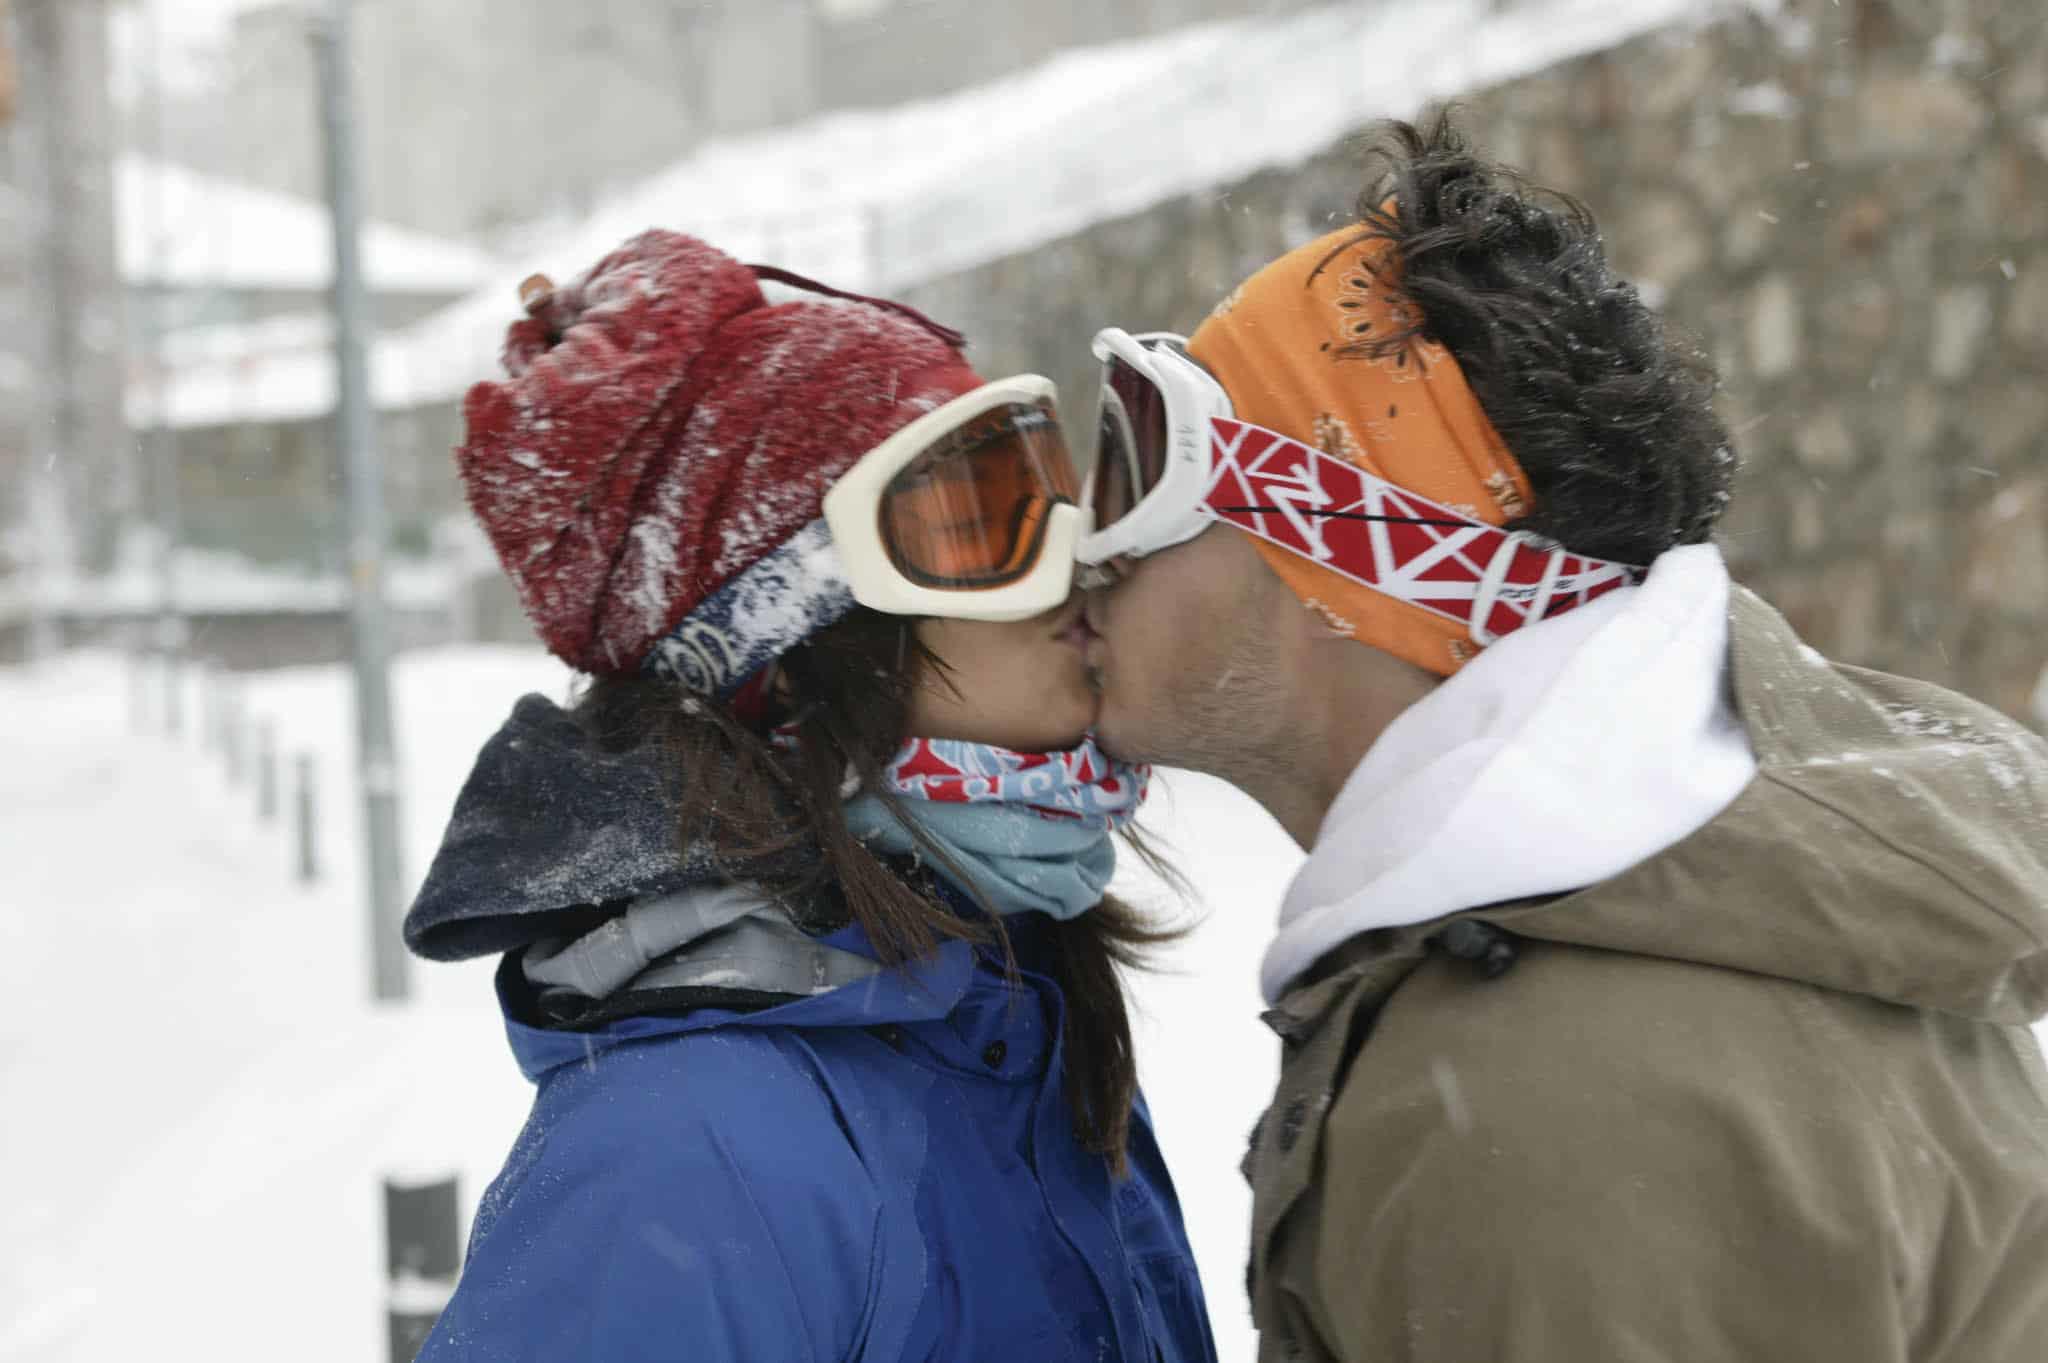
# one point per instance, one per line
(652, 471)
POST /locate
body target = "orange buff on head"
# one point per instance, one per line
(1278, 345)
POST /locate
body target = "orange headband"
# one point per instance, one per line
(1408, 417)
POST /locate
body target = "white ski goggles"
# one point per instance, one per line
(1151, 471)
(1171, 459)
(968, 512)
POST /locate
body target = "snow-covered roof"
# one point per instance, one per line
(194, 231)
(883, 199)
(247, 342)
(222, 582)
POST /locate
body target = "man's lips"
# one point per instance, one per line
(1091, 620)
(1077, 631)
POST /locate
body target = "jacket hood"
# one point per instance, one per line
(549, 827)
(1892, 843)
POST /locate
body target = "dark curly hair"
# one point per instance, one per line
(1612, 419)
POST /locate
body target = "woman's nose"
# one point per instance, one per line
(1095, 577)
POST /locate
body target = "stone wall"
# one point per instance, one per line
(1846, 204)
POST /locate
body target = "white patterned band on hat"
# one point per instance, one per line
(770, 607)
(1345, 518)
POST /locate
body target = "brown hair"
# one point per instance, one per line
(850, 689)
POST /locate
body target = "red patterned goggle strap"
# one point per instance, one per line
(1394, 541)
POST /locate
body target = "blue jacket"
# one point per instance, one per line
(883, 1172)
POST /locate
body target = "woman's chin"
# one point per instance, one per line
(1079, 704)
(1060, 718)
(1030, 694)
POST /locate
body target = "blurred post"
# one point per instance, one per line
(305, 805)
(136, 651)
(170, 636)
(266, 770)
(207, 674)
(355, 424)
(233, 744)
(172, 662)
(160, 446)
(422, 1255)
(68, 472)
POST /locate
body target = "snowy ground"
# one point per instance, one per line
(201, 1098)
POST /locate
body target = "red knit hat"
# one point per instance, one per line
(652, 473)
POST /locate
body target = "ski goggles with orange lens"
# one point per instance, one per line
(968, 512)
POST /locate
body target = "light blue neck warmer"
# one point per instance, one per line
(1018, 860)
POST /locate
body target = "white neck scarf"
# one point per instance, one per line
(1563, 755)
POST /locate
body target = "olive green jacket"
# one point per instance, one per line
(1769, 1095)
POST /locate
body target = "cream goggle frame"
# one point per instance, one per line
(968, 512)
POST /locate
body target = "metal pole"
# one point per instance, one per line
(174, 684)
(376, 762)
(207, 674)
(160, 444)
(63, 487)
(46, 512)
(266, 770)
(232, 745)
(138, 673)
(305, 810)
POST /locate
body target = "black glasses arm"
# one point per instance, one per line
(1351, 516)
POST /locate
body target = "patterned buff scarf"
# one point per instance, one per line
(1032, 830)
